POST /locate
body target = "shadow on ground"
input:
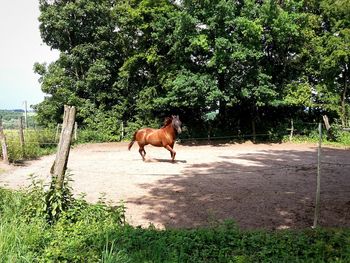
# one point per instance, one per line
(271, 190)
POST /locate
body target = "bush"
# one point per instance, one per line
(77, 232)
(89, 135)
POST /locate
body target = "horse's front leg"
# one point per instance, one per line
(172, 152)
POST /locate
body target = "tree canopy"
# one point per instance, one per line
(249, 62)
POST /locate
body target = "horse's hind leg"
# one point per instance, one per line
(142, 152)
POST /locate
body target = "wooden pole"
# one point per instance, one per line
(57, 131)
(25, 114)
(122, 127)
(254, 131)
(3, 143)
(326, 122)
(75, 131)
(59, 166)
(21, 134)
(291, 130)
(318, 180)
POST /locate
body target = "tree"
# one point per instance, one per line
(327, 68)
(333, 51)
(251, 61)
(85, 75)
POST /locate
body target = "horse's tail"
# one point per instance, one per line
(132, 141)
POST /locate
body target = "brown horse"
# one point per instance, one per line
(163, 137)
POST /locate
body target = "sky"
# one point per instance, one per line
(20, 47)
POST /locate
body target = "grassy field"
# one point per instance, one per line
(98, 233)
(36, 143)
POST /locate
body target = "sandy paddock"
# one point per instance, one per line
(258, 185)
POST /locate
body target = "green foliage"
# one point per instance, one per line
(335, 136)
(52, 226)
(97, 233)
(137, 61)
(189, 90)
(10, 118)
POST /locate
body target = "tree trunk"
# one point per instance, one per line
(253, 130)
(343, 100)
(222, 103)
(254, 116)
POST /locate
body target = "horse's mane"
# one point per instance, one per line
(167, 121)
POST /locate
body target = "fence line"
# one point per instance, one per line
(14, 138)
(33, 142)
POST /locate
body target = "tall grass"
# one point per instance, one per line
(17, 238)
(36, 143)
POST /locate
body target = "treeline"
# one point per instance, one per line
(10, 118)
(224, 65)
(11, 114)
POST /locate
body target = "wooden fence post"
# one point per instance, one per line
(326, 122)
(254, 131)
(291, 130)
(122, 128)
(59, 166)
(75, 131)
(3, 143)
(57, 132)
(318, 180)
(21, 134)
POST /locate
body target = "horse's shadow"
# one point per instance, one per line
(159, 160)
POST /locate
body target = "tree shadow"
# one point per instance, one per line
(272, 189)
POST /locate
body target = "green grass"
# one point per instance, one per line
(17, 237)
(340, 138)
(36, 143)
(96, 233)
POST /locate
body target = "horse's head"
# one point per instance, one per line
(176, 123)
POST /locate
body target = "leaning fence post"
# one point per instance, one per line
(3, 143)
(21, 134)
(318, 183)
(59, 166)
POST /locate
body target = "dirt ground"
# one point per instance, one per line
(269, 186)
